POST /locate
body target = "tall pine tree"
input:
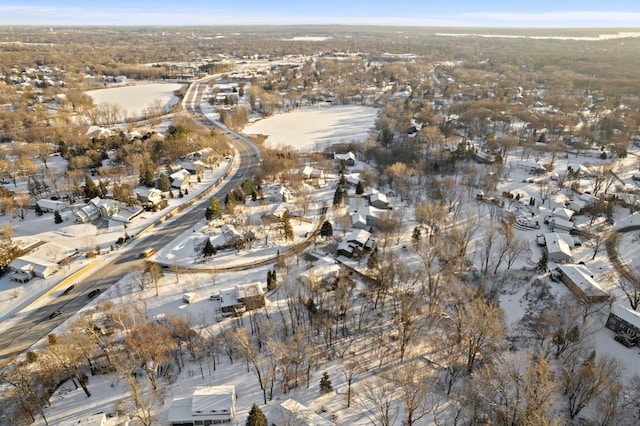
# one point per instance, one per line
(256, 417)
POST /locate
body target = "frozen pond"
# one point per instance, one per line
(137, 98)
(313, 129)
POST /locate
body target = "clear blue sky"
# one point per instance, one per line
(490, 13)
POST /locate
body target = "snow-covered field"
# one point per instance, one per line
(135, 99)
(311, 129)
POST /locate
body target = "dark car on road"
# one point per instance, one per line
(93, 293)
(69, 289)
(55, 314)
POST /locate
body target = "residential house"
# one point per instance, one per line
(180, 179)
(194, 167)
(236, 300)
(52, 206)
(379, 200)
(564, 214)
(558, 247)
(152, 196)
(531, 167)
(324, 273)
(580, 281)
(291, 412)
(278, 193)
(349, 158)
(356, 243)
(623, 320)
(28, 266)
(87, 214)
(99, 419)
(228, 238)
(208, 405)
(97, 207)
(557, 224)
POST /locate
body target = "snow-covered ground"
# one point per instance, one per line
(135, 99)
(312, 129)
(70, 405)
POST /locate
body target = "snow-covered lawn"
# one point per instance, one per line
(312, 129)
(135, 99)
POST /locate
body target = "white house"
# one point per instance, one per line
(208, 405)
(180, 179)
(558, 247)
(561, 213)
(97, 207)
(24, 265)
(99, 419)
(379, 200)
(291, 412)
(149, 195)
(560, 224)
(52, 206)
(349, 158)
(278, 193)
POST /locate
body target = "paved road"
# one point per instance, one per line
(36, 323)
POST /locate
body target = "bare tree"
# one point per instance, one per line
(375, 396)
(586, 376)
(415, 386)
(520, 388)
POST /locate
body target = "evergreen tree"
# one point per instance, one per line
(325, 384)
(337, 196)
(359, 188)
(163, 183)
(209, 249)
(256, 417)
(146, 175)
(57, 218)
(90, 188)
(287, 227)
(274, 277)
(214, 210)
(269, 281)
(326, 230)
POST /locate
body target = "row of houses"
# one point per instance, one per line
(210, 405)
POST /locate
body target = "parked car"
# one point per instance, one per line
(69, 289)
(93, 293)
(55, 314)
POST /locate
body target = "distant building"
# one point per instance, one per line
(208, 405)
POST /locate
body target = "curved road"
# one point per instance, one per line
(36, 324)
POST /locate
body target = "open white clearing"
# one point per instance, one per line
(136, 98)
(313, 129)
